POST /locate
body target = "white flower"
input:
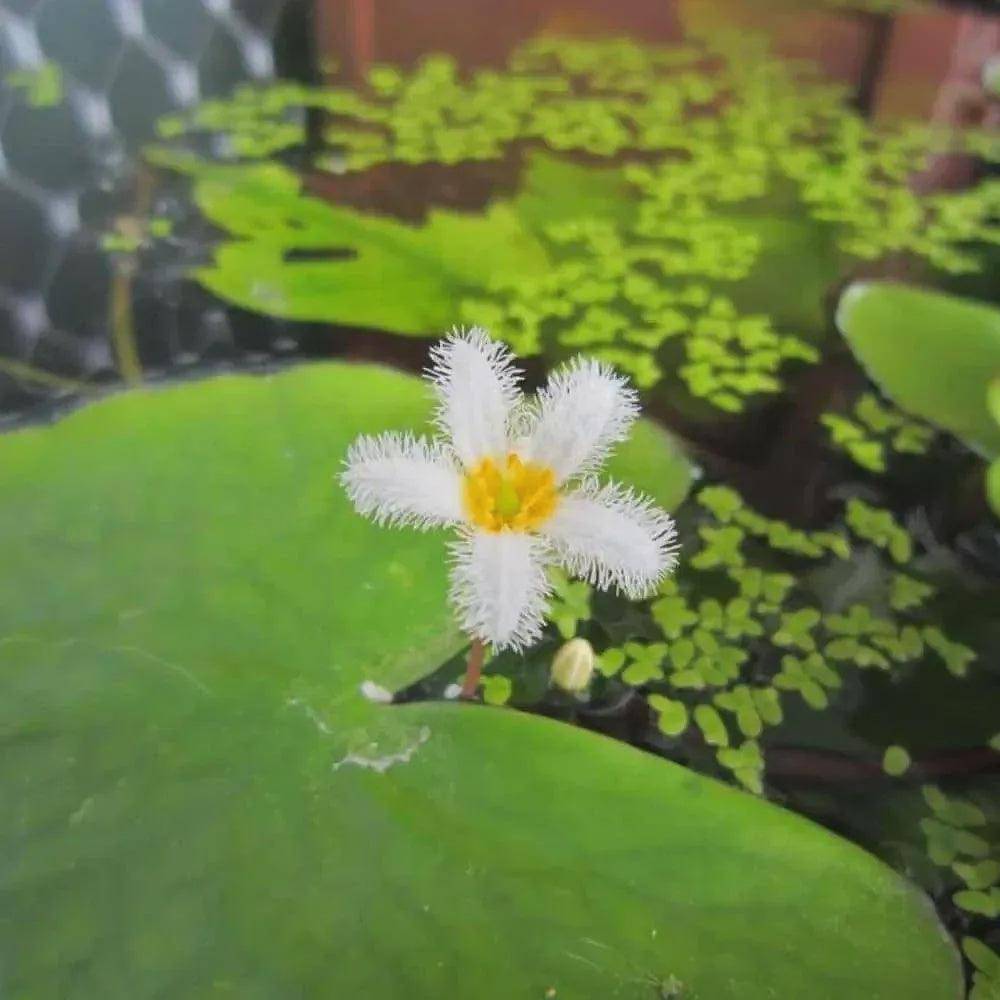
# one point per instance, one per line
(515, 478)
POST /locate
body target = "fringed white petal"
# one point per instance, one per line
(613, 537)
(477, 389)
(403, 481)
(583, 412)
(499, 587)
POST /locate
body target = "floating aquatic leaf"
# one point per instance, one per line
(956, 657)
(294, 256)
(795, 629)
(986, 904)
(896, 761)
(673, 615)
(721, 547)
(42, 85)
(722, 501)
(711, 725)
(221, 743)
(879, 527)
(747, 764)
(932, 354)
(672, 716)
(645, 662)
(497, 689)
(946, 843)
(980, 875)
(955, 811)
(907, 592)
(611, 661)
(570, 603)
(794, 677)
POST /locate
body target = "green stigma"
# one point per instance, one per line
(508, 503)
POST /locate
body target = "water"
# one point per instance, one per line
(668, 190)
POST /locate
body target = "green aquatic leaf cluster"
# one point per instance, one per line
(622, 299)
(41, 85)
(986, 969)
(933, 355)
(936, 355)
(302, 258)
(773, 122)
(739, 632)
(723, 153)
(962, 834)
(873, 431)
(130, 235)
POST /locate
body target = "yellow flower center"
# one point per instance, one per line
(516, 495)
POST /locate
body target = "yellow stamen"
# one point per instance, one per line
(515, 496)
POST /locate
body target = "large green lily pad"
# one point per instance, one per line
(198, 802)
(301, 258)
(933, 354)
(298, 257)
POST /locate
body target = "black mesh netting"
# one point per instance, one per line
(68, 168)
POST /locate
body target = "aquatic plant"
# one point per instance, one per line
(962, 835)
(226, 721)
(517, 482)
(986, 964)
(874, 431)
(723, 147)
(937, 356)
(41, 85)
(739, 636)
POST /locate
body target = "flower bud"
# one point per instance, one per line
(573, 666)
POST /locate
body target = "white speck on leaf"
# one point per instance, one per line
(314, 717)
(377, 693)
(381, 764)
(86, 808)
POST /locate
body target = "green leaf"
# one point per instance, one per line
(984, 958)
(497, 689)
(896, 761)
(672, 716)
(646, 660)
(42, 85)
(300, 258)
(722, 501)
(554, 189)
(956, 657)
(933, 354)
(711, 725)
(954, 811)
(611, 661)
(795, 629)
(906, 592)
(673, 615)
(986, 904)
(651, 460)
(978, 876)
(198, 799)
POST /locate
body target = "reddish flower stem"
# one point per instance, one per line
(473, 669)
